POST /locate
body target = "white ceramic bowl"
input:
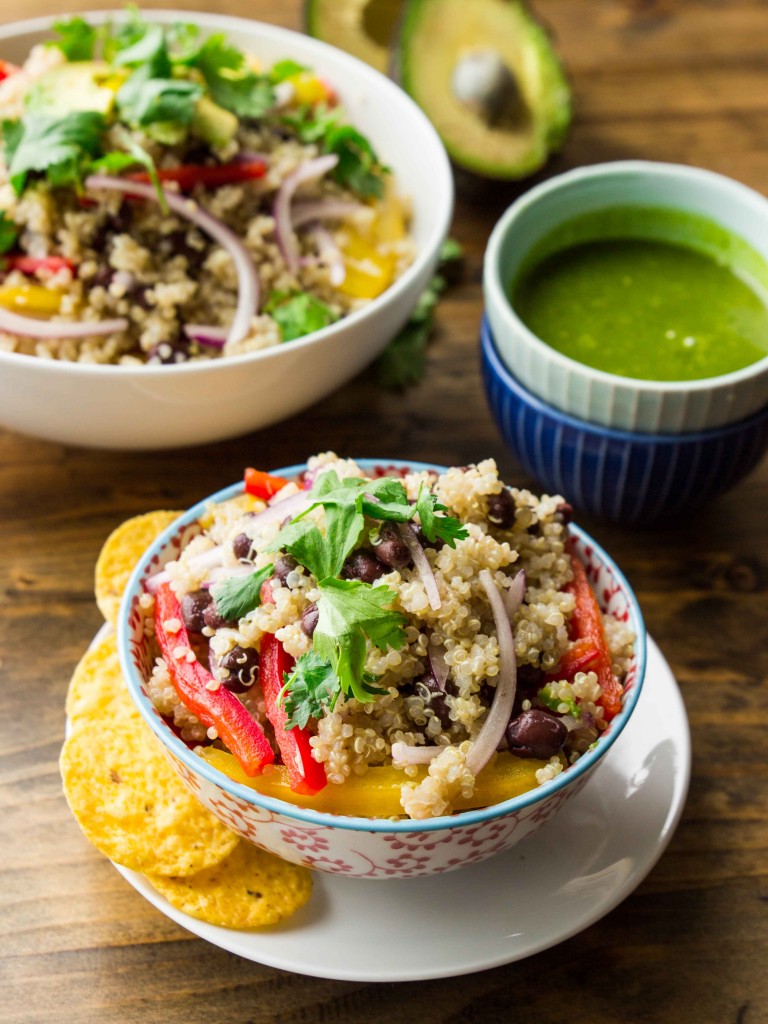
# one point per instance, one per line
(370, 847)
(172, 406)
(593, 395)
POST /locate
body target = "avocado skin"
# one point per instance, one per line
(342, 23)
(551, 116)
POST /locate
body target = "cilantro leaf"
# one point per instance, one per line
(238, 595)
(298, 313)
(303, 539)
(58, 147)
(147, 51)
(349, 612)
(229, 79)
(285, 69)
(312, 687)
(445, 528)
(9, 232)
(551, 700)
(117, 161)
(77, 39)
(358, 168)
(145, 101)
(128, 31)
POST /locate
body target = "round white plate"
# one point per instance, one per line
(566, 876)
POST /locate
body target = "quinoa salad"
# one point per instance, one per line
(166, 198)
(428, 632)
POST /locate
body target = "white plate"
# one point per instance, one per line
(572, 872)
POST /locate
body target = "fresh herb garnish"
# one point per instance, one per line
(237, 596)
(77, 38)
(285, 69)
(445, 528)
(298, 313)
(404, 361)
(58, 147)
(117, 161)
(312, 687)
(9, 232)
(551, 700)
(230, 81)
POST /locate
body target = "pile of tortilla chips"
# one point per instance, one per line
(129, 801)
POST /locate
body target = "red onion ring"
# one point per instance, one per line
(438, 664)
(404, 754)
(248, 280)
(203, 334)
(30, 327)
(323, 209)
(421, 562)
(286, 236)
(330, 255)
(492, 731)
(513, 595)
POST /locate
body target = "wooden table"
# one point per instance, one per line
(666, 80)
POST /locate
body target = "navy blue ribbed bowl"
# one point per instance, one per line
(614, 474)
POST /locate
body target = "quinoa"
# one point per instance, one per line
(157, 275)
(430, 691)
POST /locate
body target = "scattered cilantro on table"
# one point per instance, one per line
(404, 361)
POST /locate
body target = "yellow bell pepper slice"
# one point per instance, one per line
(31, 299)
(308, 88)
(369, 272)
(377, 793)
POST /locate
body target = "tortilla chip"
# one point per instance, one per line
(97, 689)
(132, 805)
(250, 889)
(119, 555)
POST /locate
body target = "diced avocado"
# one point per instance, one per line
(487, 76)
(212, 123)
(78, 85)
(363, 28)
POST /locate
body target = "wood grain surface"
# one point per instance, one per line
(665, 80)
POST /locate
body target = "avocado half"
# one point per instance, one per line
(363, 28)
(487, 76)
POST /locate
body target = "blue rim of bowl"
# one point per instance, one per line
(473, 817)
(491, 351)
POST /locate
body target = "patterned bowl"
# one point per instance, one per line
(616, 474)
(367, 847)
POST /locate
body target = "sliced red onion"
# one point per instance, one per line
(31, 327)
(330, 255)
(438, 664)
(198, 563)
(286, 508)
(323, 209)
(248, 279)
(513, 595)
(286, 236)
(492, 731)
(404, 754)
(203, 334)
(421, 562)
(226, 572)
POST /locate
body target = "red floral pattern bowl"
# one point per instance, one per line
(369, 847)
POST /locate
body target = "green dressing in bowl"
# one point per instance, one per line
(652, 294)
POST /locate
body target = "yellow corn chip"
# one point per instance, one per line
(250, 889)
(119, 555)
(97, 689)
(132, 805)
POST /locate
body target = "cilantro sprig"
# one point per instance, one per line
(237, 596)
(298, 313)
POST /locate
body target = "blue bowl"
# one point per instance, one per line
(615, 474)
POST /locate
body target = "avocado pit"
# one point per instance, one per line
(483, 82)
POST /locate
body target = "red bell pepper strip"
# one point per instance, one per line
(215, 706)
(587, 624)
(305, 774)
(262, 485)
(187, 176)
(578, 658)
(7, 69)
(31, 264)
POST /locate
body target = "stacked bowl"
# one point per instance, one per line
(620, 447)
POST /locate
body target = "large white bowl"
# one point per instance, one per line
(172, 406)
(622, 403)
(370, 847)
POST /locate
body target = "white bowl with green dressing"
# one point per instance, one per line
(634, 295)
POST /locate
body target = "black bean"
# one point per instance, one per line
(309, 617)
(564, 513)
(535, 733)
(242, 548)
(392, 549)
(421, 537)
(430, 691)
(501, 509)
(238, 669)
(362, 565)
(213, 619)
(283, 565)
(193, 606)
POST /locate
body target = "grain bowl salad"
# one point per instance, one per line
(384, 644)
(164, 198)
